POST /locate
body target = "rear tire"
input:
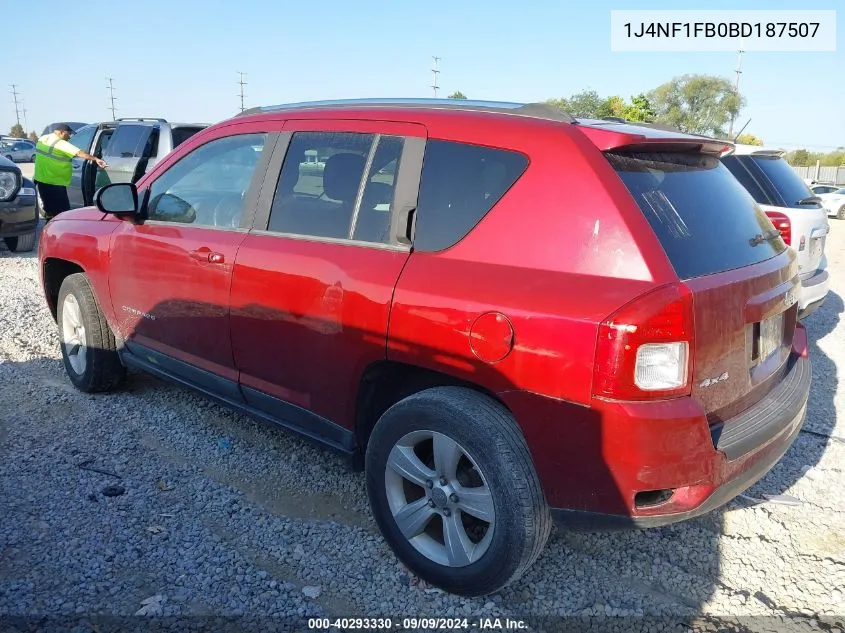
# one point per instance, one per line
(21, 243)
(89, 348)
(488, 506)
(841, 213)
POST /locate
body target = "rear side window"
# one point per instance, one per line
(128, 141)
(704, 219)
(459, 185)
(182, 134)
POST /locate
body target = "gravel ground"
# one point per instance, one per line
(224, 516)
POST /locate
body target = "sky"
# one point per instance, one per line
(179, 60)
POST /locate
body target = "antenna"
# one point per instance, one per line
(15, 94)
(436, 72)
(242, 83)
(111, 97)
(738, 72)
(743, 128)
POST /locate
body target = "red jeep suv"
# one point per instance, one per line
(504, 314)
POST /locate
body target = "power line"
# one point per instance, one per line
(111, 98)
(15, 94)
(738, 72)
(242, 83)
(436, 72)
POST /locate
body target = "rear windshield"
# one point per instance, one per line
(705, 220)
(788, 183)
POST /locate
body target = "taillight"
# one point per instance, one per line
(644, 350)
(782, 224)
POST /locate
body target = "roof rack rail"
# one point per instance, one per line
(539, 110)
(140, 118)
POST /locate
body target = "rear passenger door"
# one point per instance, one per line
(313, 281)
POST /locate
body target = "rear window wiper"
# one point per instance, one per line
(763, 237)
(810, 200)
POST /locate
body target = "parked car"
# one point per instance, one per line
(833, 200)
(18, 208)
(131, 147)
(533, 317)
(794, 210)
(22, 151)
(819, 189)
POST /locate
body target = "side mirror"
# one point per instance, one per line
(118, 199)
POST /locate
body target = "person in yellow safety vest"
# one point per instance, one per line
(53, 169)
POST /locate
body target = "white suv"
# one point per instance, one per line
(794, 210)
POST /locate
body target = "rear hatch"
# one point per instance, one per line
(724, 249)
(793, 208)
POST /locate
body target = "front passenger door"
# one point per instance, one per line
(170, 275)
(83, 138)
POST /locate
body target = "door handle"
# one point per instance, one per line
(206, 255)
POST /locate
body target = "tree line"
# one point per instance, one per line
(19, 132)
(696, 104)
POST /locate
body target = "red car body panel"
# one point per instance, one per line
(310, 340)
(514, 307)
(83, 240)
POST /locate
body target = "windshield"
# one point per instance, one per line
(705, 220)
(788, 183)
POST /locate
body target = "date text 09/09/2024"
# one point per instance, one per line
(413, 624)
(722, 29)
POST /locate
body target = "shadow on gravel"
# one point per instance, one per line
(666, 575)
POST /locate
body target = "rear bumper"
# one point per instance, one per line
(634, 450)
(764, 444)
(814, 290)
(18, 216)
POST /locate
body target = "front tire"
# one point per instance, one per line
(453, 490)
(841, 214)
(89, 349)
(20, 243)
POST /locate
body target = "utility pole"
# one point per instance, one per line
(738, 72)
(242, 83)
(15, 94)
(436, 72)
(111, 97)
(25, 126)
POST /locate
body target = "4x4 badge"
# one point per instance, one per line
(712, 381)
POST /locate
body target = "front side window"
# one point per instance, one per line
(83, 137)
(207, 187)
(323, 190)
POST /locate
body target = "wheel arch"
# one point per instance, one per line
(54, 272)
(386, 382)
